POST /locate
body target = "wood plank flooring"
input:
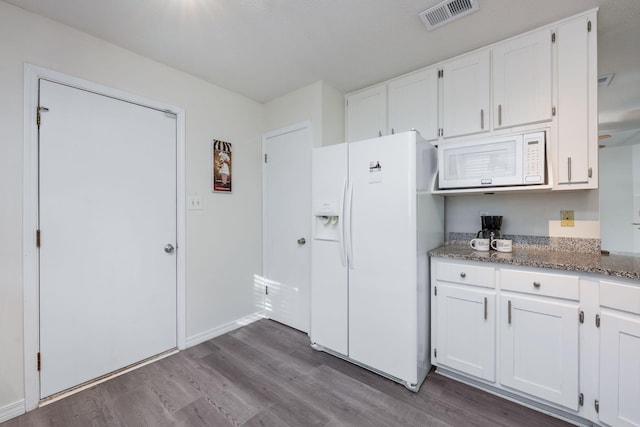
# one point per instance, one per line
(266, 374)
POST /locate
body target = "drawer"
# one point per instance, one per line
(620, 296)
(544, 284)
(465, 274)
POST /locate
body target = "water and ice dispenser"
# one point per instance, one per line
(327, 221)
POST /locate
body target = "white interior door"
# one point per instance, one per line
(107, 211)
(287, 225)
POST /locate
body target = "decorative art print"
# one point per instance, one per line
(222, 169)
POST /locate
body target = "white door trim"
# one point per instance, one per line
(30, 282)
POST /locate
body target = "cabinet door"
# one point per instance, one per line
(413, 103)
(577, 136)
(466, 95)
(466, 330)
(522, 80)
(539, 347)
(367, 113)
(619, 368)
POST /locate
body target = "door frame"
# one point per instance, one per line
(30, 206)
(265, 137)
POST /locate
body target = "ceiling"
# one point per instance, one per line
(266, 48)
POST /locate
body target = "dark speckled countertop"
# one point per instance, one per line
(610, 265)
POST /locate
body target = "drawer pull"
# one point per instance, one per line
(536, 284)
(485, 308)
(463, 274)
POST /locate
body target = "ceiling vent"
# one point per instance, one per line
(447, 11)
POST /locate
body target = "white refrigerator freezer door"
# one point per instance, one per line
(329, 295)
(382, 284)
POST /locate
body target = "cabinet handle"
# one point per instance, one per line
(481, 118)
(485, 308)
(463, 274)
(509, 311)
(392, 131)
(379, 133)
(569, 168)
(500, 115)
(536, 284)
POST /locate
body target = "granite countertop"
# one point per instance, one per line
(610, 265)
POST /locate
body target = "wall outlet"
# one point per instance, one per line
(566, 219)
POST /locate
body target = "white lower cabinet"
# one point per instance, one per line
(539, 347)
(619, 401)
(523, 332)
(466, 329)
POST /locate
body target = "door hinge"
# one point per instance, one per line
(266, 290)
(553, 37)
(440, 132)
(38, 114)
(435, 353)
(265, 158)
(596, 404)
(39, 361)
(597, 320)
(589, 26)
(581, 399)
(435, 291)
(37, 238)
(581, 316)
(553, 111)
(440, 74)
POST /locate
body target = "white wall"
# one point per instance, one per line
(527, 214)
(318, 102)
(616, 198)
(620, 198)
(223, 239)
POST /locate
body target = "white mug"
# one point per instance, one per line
(480, 244)
(502, 245)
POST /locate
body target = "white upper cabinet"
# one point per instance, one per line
(522, 80)
(543, 79)
(408, 102)
(367, 113)
(413, 103)
(577, 136)
(466, 101)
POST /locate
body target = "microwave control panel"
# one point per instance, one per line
(534, 159)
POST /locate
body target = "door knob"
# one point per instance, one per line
(169, 248)
(301, 241)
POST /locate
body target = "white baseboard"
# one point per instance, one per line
(223, 329)
(12, 410)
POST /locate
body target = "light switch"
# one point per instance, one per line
(194, 201)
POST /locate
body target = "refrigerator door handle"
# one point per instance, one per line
(343, 250)
(348, 231)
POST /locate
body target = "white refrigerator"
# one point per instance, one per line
(374, 220)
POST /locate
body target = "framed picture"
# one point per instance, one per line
(221, 166)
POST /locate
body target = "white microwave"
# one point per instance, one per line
(518, 159)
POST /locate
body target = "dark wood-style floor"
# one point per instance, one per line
(266, 374)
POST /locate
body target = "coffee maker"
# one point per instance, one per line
(491, 225)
